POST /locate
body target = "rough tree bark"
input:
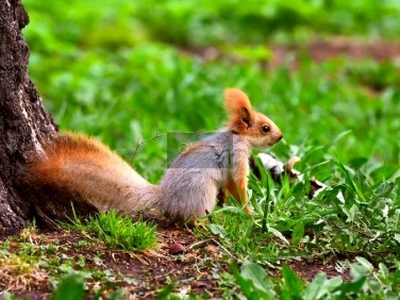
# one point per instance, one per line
(24, 126)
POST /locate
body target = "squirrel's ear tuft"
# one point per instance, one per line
(236, 100)
(238, 104)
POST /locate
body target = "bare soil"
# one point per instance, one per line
(318, 50)
(321, 50)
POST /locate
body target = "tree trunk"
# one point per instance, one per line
(24, 127)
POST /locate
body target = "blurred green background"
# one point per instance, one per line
(134, 70)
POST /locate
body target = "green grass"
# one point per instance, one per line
(118, 72)
(117, 231)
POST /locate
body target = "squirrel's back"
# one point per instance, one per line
(85, 166)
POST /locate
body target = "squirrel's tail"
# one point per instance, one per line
(87, 167)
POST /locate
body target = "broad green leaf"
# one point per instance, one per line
(217, 230)
(358, 270)
(321, 287)
(254, 273)
(252, 281)
(293, 286)
(316, 289)
(71, 287)
(383, 270)
(397, 237)
(352, 288)
(365, 263)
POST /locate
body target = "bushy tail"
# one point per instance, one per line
(87, 167)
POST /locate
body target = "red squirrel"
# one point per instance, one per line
(188, 189)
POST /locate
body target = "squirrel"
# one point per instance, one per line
(214, 166)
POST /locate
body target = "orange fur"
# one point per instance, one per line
(239, 107)
(87, 167)
(60, 152)
(237, 184)
(238, 190)
(251, 126)
(249, 123)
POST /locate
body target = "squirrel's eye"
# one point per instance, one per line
(265, 128)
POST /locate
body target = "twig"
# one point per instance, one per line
(227, 251)
(195, 245)
(140, 141)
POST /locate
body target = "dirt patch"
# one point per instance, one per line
(378, 50)
(143, 275)
(140, 275)
(318, 50)
(321, 50)
(307, 269)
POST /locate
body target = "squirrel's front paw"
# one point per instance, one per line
(248, 210)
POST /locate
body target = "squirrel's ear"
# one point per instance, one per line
(238, 104)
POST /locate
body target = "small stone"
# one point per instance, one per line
(310, 260)
(176, 249)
